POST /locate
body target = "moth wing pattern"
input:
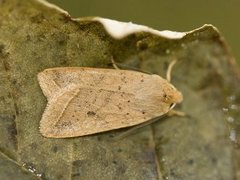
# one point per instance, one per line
(88, 101)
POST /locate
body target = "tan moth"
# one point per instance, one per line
(84, 101)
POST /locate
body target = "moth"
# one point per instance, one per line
(84, 101)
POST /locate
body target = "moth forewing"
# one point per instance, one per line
(86, 101)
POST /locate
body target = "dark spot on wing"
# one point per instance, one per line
(119, 106)
(123, 79)
(91, 113)
(66, 124)
(165, 95)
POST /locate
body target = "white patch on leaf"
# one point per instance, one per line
(120, 30)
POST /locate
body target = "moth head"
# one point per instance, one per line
(171, 95)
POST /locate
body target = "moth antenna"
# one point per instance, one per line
(114, 64)
(169, 70)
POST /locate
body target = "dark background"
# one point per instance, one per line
(183, 15)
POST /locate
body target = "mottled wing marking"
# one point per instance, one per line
(85, 101)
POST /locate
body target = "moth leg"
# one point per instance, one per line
(114, 64)
(124, 66)
(176, 113)
(169, 70)
(134, 128)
